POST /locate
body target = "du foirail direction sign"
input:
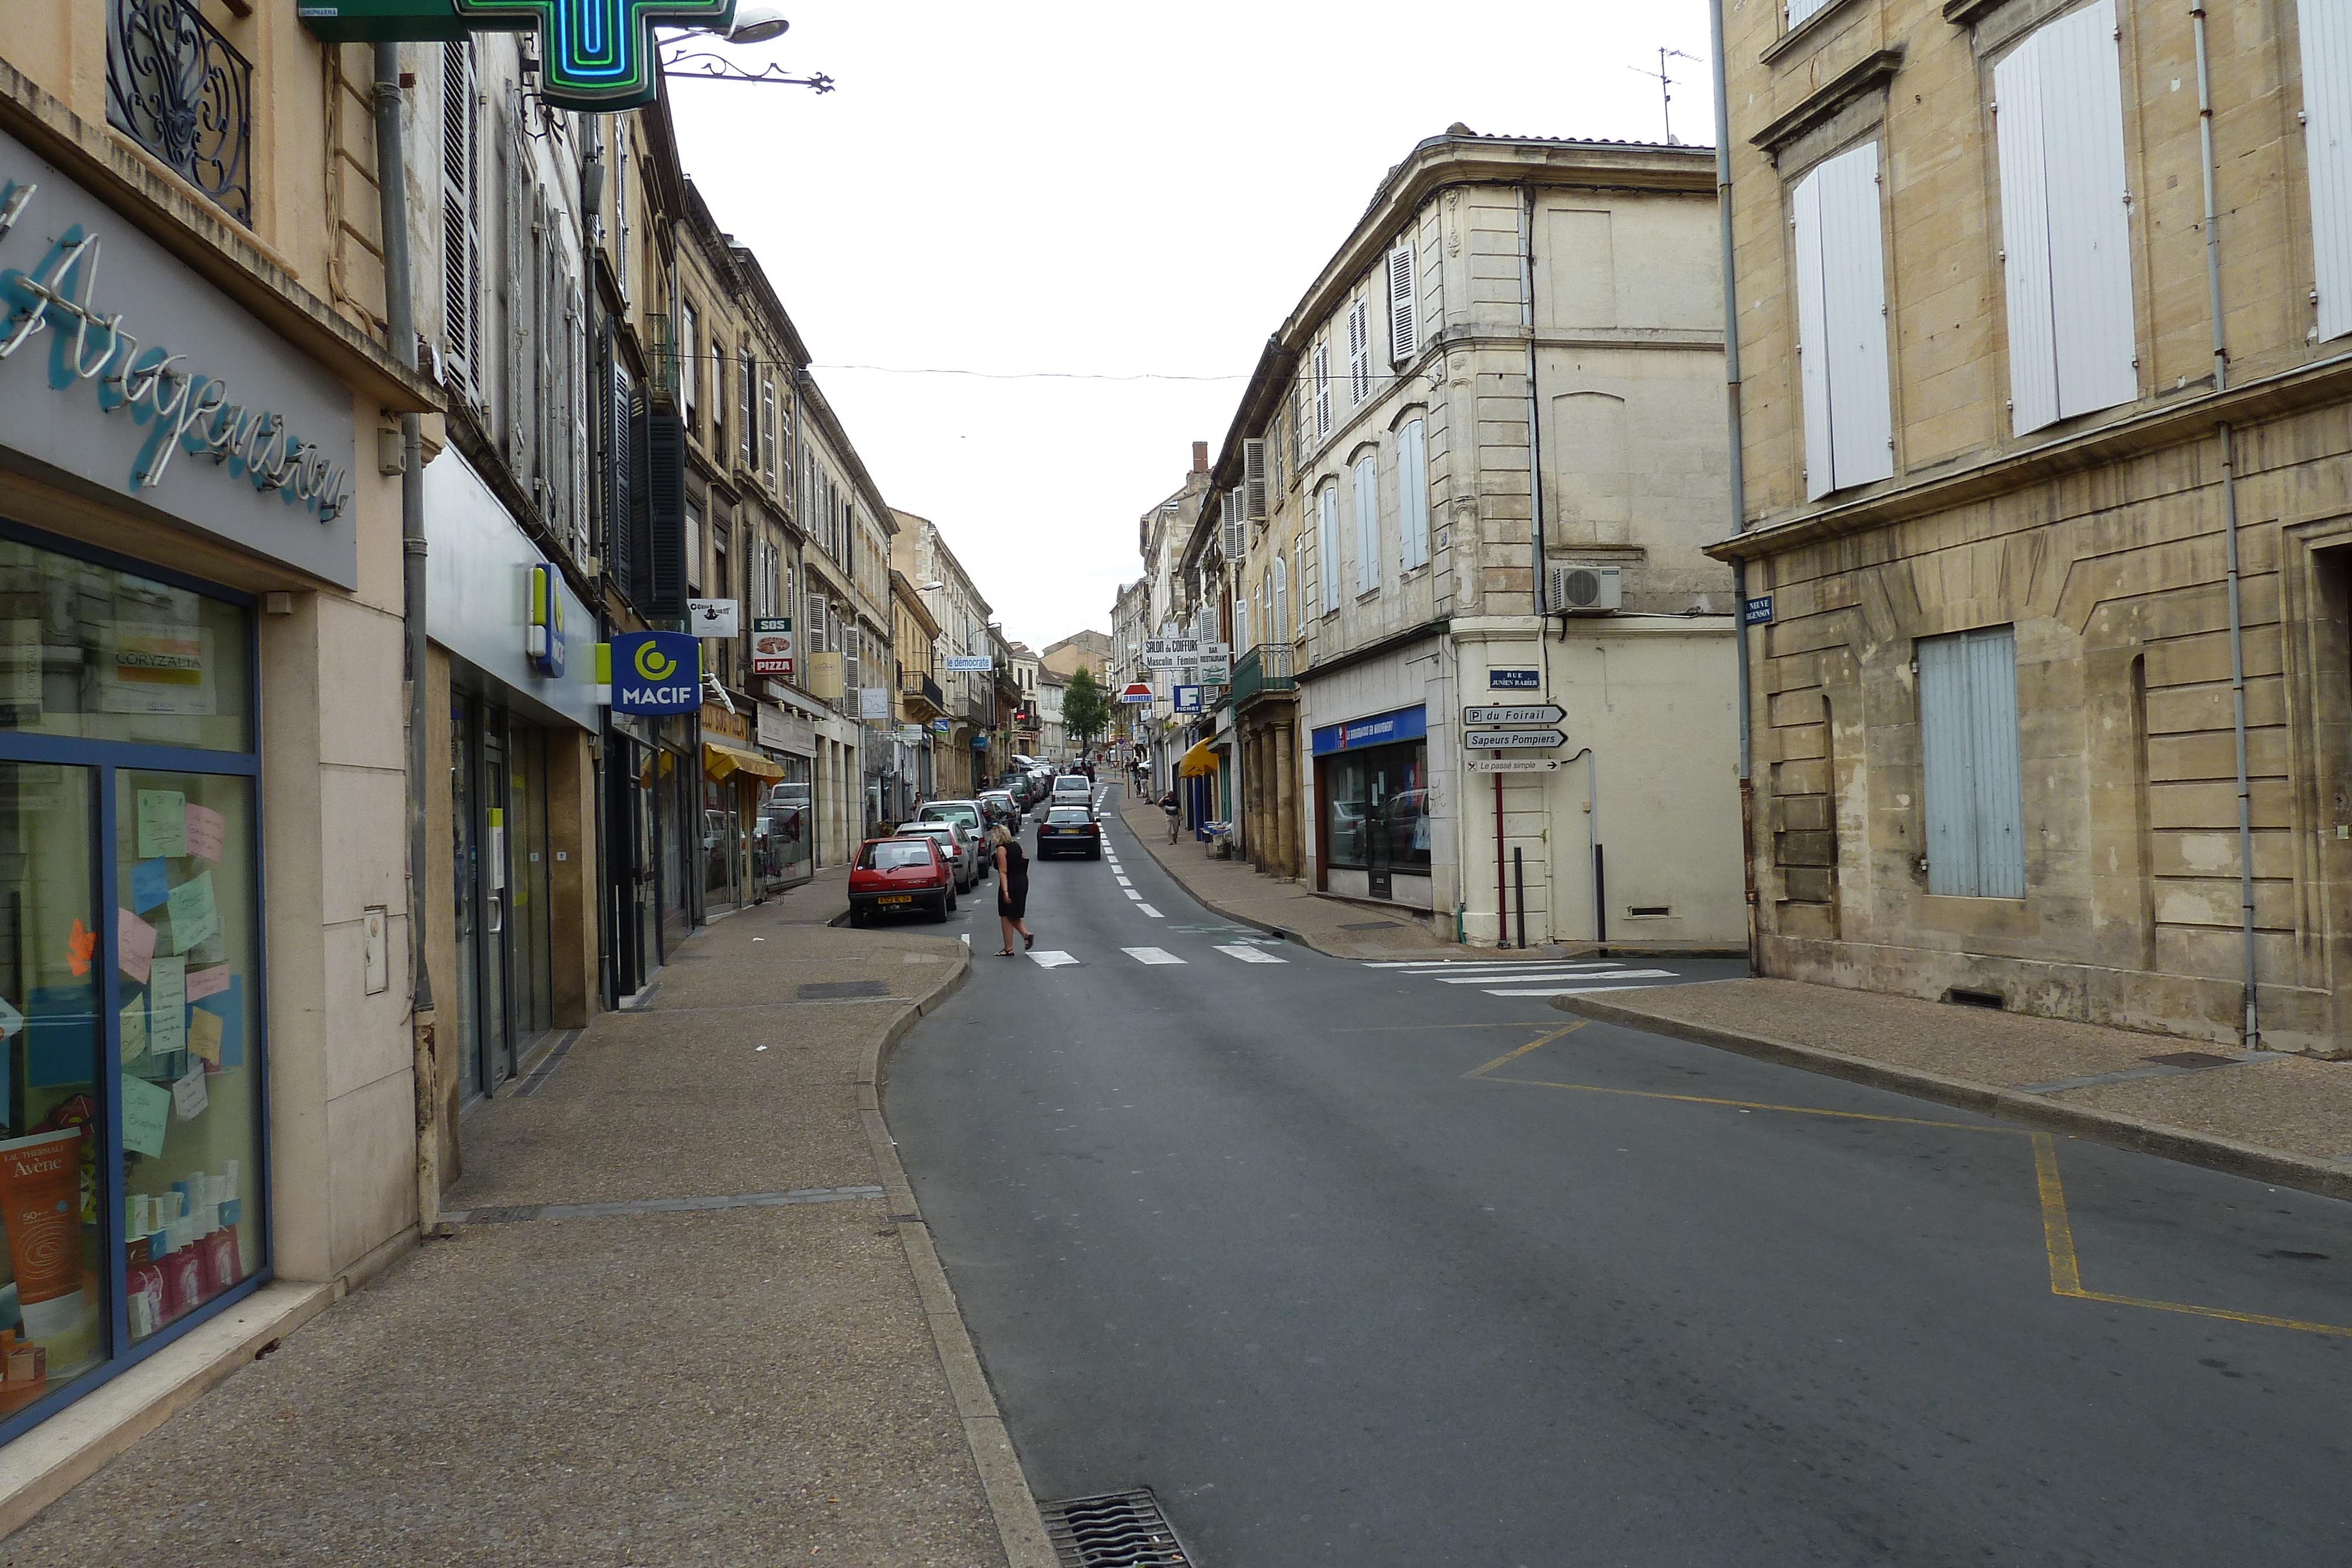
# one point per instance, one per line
(1523, 713)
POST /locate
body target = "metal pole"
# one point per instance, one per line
(1519, 879)
(1502, 931)
(1600, 902)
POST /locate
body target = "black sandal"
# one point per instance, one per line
(1028, 941)
(1006, 953)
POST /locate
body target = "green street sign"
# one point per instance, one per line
(598, 55)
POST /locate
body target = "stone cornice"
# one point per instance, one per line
(1873, 70)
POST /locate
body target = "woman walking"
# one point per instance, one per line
(1011, 891)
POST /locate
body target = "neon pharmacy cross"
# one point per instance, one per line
(600, 53)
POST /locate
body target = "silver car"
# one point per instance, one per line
(966, 814)
(960, 846)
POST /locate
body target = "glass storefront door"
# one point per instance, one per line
(505, 952)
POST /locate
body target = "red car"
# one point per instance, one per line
(897, 876)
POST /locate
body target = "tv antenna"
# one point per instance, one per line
(1665, 87)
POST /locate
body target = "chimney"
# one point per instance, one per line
(1200, 457)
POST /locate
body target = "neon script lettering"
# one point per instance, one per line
(185, 412)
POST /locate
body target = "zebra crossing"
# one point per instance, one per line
(1523, 977)
(1239, 952)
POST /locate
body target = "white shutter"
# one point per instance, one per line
(461, 229)
(1412, 493)
(2326, 31)
(1327, 545)
(576, 392)
(1322, 390)
(1368, 523)
(1404, 305)
(1360, 351)
(1236, 534)
(524, 315)
(1842, 324)
(1281, 601)
(1799, 10)
(1969, 757)
(2066, 230)
(1253, 484)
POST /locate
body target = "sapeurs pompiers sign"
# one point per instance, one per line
(121, 367)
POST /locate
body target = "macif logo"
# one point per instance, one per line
(659, 670)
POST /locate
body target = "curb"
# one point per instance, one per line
(1019, 1527)
(1152, 849)
(2113, 1128)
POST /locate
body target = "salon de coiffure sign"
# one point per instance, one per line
(121, 368)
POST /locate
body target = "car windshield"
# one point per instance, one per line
(1069, 814)
(894, 855)
(964, 811)
(1071, 784)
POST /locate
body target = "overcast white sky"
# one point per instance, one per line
(1109, 191)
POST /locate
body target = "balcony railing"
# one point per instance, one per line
(915, 683)
(176, 87)
(1265, 668)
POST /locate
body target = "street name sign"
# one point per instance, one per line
(1527, 713)
(1516, 764)
(1497, 679)
(1499, 739)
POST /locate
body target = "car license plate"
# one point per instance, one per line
(895, 898)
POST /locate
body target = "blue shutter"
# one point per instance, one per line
(1969, 761)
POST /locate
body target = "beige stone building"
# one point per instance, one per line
(1477, 469)
(2045, 439)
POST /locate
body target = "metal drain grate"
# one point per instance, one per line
(829, 988)
(2193, 1059)
(1118, 1530)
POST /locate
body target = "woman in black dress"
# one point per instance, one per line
(1011, 891)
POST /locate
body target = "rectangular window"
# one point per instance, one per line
(685, 362)
(751, 422)
(1969, 761)
(1327, 545)
(1367, 522)
(1376, 807)
(1360, 351)
(1800, 10)
(1412, 493)
(2326, 29)
(1842, 324)
(2065, 225)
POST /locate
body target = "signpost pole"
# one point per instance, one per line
(1502, 931)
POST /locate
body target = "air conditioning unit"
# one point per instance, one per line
(1586, 589)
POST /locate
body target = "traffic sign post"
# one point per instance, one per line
(1516, 765)
(1525, 713)
(1511, 739)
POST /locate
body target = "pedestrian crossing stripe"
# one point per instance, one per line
(1053, 958)
(1151, 911)
(1563, 991)
(1488, 979)
(1249, 955)
(1151, 954)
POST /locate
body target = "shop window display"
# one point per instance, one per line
(1377, 808)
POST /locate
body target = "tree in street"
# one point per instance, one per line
(1086, 711)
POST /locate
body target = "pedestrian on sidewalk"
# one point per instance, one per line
(1168, 804)
(1011, 891)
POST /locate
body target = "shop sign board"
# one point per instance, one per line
(1516, 765)
(940, 726)
(711, 617)
(1375, 730)
(1177, 646)
(873, 702)
(771, 646)
(1525, 713)
(231, 432)
(1498, 739)
(543, 641)
(657, 672)
(967, 664)
(1136, 692)
(1517, 680)
(599, 54)
(1188, 699)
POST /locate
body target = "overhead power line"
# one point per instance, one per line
(1029, 375)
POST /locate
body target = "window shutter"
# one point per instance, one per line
(1360, 351)
(1842, 324)
(768, 430)
(1368, 523)
(1412, 493)
(2325, 27)
(1327, 545)
(1969, 756)
(1236, 534)
(661, 470)
(576, 405)
(525, 307)
(1322, 390)
(2065, 232)
(1799, 10)
(1404, 305)
(620, 477)
(1254, 482)
(461, 232)
(1281, 601)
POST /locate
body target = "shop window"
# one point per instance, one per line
(1376, 809)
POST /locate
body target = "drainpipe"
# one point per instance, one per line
(1535, 436)
(1738, 479)
(2251, 1029)
(400, 327)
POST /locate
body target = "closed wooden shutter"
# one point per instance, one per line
(1322, 390)
(2065, 222)
(1969, 761)
(1327, 545)
(1404, 305)
(2325, 27)
(1412, 493)
(1281, 601)
(1360, 351)
(1841, 286)
(1254, 481)
(1368, 523)
(1799, 10)
(461, 227)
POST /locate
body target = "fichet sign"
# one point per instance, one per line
(657, 672)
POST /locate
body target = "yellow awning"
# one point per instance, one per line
(1199, 762)
(718, 761)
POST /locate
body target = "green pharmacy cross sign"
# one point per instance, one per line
(599, 54)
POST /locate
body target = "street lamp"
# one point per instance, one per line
(757, 24)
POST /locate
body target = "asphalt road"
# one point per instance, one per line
(1291, 1245)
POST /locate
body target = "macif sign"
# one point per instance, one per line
(657, 672)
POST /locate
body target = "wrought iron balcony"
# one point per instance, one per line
(1265, 668)
(915, 684)
(176, 87)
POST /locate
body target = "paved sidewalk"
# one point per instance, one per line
(2282, 1119)
(779, 1378)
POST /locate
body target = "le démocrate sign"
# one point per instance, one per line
(598, 54)
(121, 368)
(657, 672)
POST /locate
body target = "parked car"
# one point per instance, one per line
(1074, 789)
(1069, 831)
(1000, 807)
(898, 876)
(961, 848)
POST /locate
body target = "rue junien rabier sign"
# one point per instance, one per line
(598, 55)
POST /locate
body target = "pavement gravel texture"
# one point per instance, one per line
(739, 1386)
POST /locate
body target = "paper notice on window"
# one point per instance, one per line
(204, 1035)
(167, 1006)
(134, 1032)
(195, 916)
(189, 1096)
(134, 944)
(203, 983)
(207, 830)
(11, 1020)
(149, 885)
(162, 823)
(146, 1112)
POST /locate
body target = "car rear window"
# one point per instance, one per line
(895, 855)
(968, 815)
(1069, 814)
(1072, 781)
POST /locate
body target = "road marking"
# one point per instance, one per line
(965, 939)
(1151, 954)
(1544, 1038)
(1121, 880)
(1560, 990)
(1522, 965)
(1249, 955)
(1489, 980)
(1134, 895)
(1053, 958)
(1151, 911)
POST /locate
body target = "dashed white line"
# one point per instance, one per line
(1151, 954)
(1151, 911)
(1249, 955)
(1132, 893)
